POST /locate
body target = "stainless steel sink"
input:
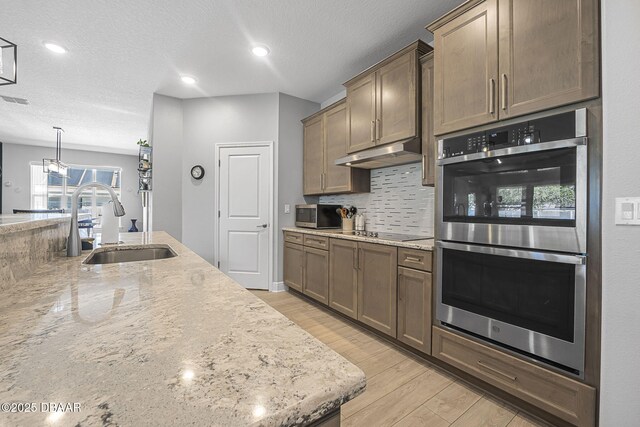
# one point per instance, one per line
(115, 254)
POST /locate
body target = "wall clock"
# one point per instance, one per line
(197, 172)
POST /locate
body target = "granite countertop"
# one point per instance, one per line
(424, 244)
(10, 223)
(171, 341)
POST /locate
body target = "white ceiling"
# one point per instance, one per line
(122, 51)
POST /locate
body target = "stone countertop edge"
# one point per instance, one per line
(173, 341)
(12, 223)
(423, 244)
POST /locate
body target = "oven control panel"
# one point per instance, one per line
(551, 128)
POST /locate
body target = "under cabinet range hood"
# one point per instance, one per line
(398, 153)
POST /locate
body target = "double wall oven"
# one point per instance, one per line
(512, 244)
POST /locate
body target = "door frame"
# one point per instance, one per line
(216, 200)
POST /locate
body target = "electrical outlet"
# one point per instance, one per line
(287, 209)
(627, 211)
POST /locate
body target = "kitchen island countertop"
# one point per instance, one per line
(164, 342)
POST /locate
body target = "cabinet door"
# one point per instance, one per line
(361, 113)
(414, 308)
(337, 178)
(397, 97)
(293, 255)
(466, 69)
(313, 157)
(548, 54)
(316, 274)
(428, 138)
(343, 276)
(377, 286)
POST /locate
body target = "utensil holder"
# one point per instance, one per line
(347, 224)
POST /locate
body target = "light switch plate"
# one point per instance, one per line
(287, 209)
(627, 211)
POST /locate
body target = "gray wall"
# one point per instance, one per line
(168, 147)
(16, 160)
(207, 121)
(289, 164)
(185, 133)
(620, 375)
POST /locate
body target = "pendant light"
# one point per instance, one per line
(8, 62)
(55, 165)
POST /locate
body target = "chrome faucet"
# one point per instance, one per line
(74, 244)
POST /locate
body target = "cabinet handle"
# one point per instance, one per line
(373, 131)
(356, 259)
(400, 287)
(378, 129)
(359, 258)
(322, 181)
(412, 259)
(503, 92)
(492, 95)
(424, 167)
(495, 371)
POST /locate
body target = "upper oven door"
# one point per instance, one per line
(530, 196)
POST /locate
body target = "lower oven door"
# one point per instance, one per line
(530, 301)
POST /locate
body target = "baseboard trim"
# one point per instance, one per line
(278, 287)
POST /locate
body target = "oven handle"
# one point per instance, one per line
(515, 253)
(521, 149)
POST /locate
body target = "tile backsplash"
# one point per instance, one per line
(397, 203)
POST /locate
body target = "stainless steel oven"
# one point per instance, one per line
(530, 301)
(523, 186)
(512, 237)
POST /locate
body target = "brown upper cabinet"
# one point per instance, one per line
(325, 141)
(497, 59)
(383, 101)
(428, 137)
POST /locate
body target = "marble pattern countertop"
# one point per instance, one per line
(424, 244)
(10, 223)
(167, 342)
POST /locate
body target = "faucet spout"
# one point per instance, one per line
(74, 244)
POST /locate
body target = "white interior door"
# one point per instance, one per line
(244, 205)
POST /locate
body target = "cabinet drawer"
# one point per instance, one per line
(292, 237)
(318, 242)
(415, 258)
(563, 397)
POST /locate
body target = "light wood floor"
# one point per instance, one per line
(402, 389)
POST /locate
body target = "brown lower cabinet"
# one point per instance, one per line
(378, 286)
(414, 308)
(306, 265)
(563, 397)
(315, 282)
(343, 276)
(293, 269)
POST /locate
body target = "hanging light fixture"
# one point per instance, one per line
(8, 62)
(55, 165)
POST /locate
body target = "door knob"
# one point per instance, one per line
(262, 226)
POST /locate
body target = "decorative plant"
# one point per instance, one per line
(142, 143)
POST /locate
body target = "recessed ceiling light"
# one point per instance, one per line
(188, 80)
(260, 50)
(55, 47)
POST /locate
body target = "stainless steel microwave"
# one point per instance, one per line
(318, 216)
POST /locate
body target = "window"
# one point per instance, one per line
(50, 191)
